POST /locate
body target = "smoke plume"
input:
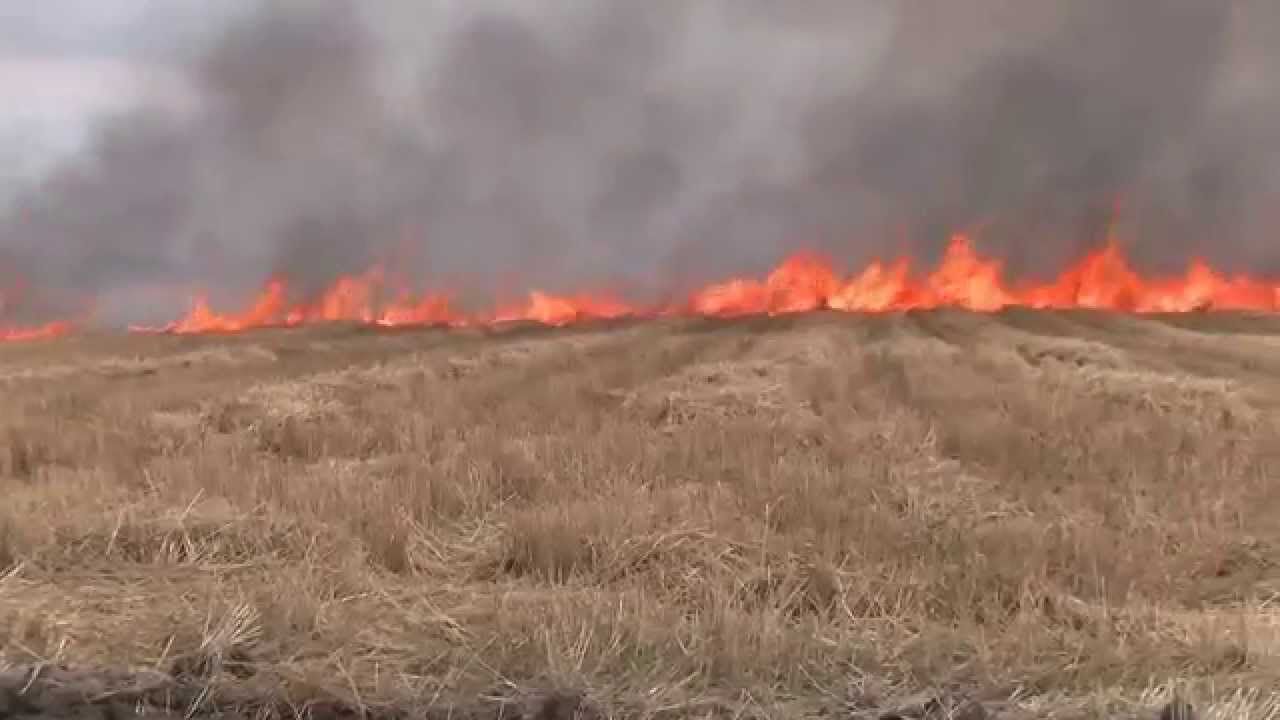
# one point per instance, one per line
(493, 146)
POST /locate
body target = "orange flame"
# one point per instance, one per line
(39, 332)
(35, 332)
(804, 282)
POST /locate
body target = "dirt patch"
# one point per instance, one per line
(49, 693)
(1072, 352)
(58, 693)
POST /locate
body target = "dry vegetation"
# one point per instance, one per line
(1068, 513)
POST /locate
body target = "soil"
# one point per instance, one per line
(49, 693)
(61, 693)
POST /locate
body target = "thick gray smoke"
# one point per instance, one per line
(489, 146)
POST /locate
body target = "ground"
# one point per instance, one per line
(1050, 514)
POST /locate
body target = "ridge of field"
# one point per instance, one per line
(1072, 512)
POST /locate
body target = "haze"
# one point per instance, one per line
(498, 145)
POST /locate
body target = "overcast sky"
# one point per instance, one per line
(65, 64)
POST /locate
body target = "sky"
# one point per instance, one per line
(66, 65)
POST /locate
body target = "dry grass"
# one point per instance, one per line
(1072, 511)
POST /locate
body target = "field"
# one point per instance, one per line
(1068, 514)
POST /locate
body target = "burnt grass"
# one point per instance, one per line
(920, 515)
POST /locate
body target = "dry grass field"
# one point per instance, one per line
(1067, 514)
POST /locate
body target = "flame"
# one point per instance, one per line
(34, 332)
(39, 332)
(805, 282)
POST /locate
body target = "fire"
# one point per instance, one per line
(562, 310)
(805, 282)
(30, 332)
(38, 332)
(802, 283)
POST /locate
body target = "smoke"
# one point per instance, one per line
(497, 145)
